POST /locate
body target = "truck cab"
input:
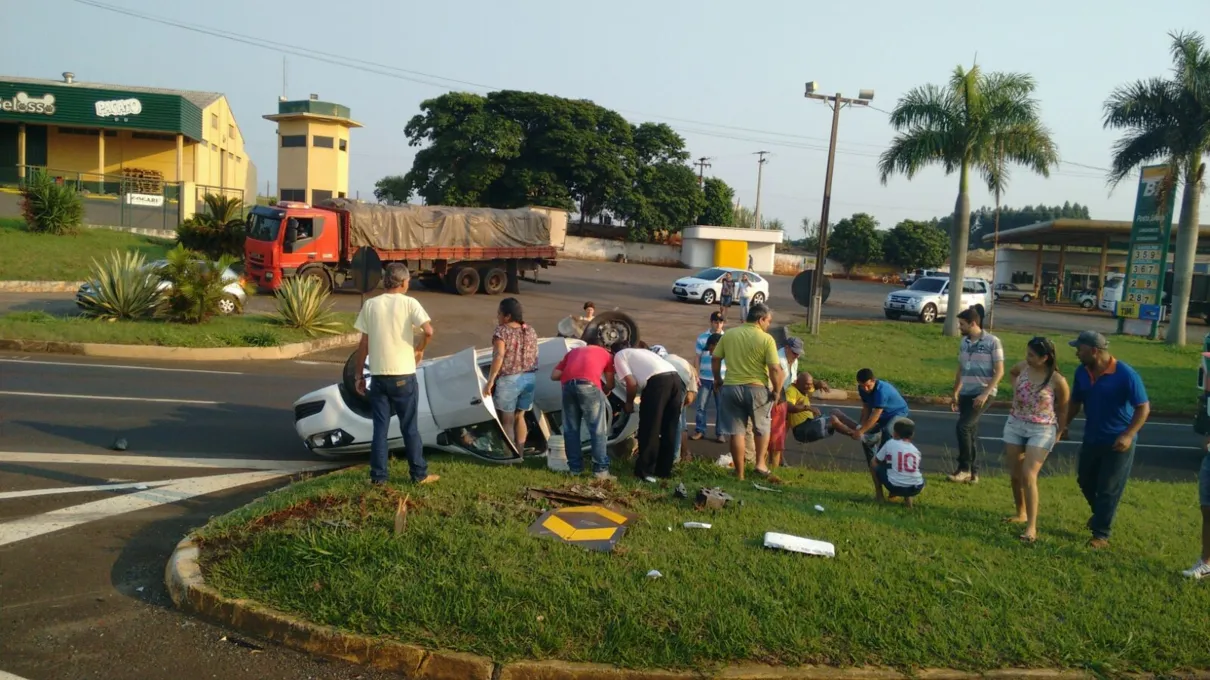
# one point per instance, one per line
(290, 239)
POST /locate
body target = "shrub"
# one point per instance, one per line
(50, 207)
(302, 303)
(197, 285)
(218, 231)
(123, 288)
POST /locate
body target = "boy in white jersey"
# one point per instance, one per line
(896, 466)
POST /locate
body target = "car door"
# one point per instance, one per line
(454, 387)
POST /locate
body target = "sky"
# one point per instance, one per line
(708, 68)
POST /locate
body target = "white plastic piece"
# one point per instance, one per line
(725, 460)
(654, 574)
(765, 488)
(798, 544)
(697, 525)
(819, 508)
(556, 455)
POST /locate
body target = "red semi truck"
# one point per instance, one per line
(467, 250)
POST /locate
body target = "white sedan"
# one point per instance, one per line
(706, 286)
(453, 416)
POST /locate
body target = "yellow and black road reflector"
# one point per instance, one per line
(592, 527)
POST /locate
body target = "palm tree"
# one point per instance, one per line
(1169, 121)
(963, 127)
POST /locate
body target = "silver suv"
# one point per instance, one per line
(928, 298)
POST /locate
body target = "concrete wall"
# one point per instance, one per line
(581, 248)
(763, 257)
(698, 253)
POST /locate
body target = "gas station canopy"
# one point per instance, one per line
(1084, 234)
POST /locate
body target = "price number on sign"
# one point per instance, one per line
(1147, 254)
(1143, 298)
(1145, 269)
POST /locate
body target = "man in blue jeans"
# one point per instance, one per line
(705, 348)
(388, 323)
(586, 374)
(1115, 406)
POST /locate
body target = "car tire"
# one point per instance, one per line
(1026, 298)
(607, 328)
(1086, 304)
(348, 379)
(708, 297)
(893, 316)
(229, 305)
(758, 299)
(928, 314)
(492, 280)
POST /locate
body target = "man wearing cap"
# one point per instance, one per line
(707, 378)
(1115, 406)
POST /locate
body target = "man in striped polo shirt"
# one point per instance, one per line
(980, 368)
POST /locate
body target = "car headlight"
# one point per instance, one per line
(329, 439)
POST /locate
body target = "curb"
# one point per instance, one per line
(187, 587)
(155, 352)
(40, 286)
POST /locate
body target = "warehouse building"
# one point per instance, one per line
(123, 139)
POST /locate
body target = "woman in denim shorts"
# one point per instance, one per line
(1040, 399)
(510, 381)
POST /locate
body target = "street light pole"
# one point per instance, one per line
(836, 101)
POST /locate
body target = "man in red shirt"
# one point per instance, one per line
(586, 374)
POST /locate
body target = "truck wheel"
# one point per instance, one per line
(318, 273)
(465, 280)
(493, 280)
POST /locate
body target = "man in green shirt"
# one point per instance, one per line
(751, 386)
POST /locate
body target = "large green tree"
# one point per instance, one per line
(719, 203)
(666, 196)
(915, 245)
(855, 241)
(1168, 121)
(967, 126)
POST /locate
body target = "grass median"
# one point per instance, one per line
(242, 330)
(945, 584)
(27, 256)
(920, 361)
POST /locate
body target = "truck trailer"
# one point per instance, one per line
(465, 250)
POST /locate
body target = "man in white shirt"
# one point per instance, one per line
(388, 324)
(896, 466)
(645, 372)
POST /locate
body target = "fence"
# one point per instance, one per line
(134, 198)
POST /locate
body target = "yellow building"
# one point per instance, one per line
(122, 139)
(312, 150)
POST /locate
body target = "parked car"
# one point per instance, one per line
(234, 293)
(928, 298)
(912, 277)
(335, 422)
(706, 286)
(1087, 299)
(1011, 291)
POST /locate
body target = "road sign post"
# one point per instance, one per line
(366, 270)
(1147, 261)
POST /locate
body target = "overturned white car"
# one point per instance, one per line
(335, 422)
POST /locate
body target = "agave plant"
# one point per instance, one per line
(123, 289)
(302, 303)
(196, 284)
(50, 207)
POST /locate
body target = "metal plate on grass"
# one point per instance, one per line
(592, 527)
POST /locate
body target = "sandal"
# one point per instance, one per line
(1029, 540)
(695, 436)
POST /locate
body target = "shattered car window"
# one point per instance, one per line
(485, 439)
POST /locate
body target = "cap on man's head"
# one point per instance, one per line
(717, 317)
(794, 345)
(1091, 339)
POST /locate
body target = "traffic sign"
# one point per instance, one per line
(366, 269)
(593, 527)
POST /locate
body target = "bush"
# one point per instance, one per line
(302, 303)
(50, 207)
(219, 231)
(197, 285)
(123, 289)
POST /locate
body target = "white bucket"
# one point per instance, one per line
(556, 454)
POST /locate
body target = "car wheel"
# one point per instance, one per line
(1086, 304)
(758, 299)
(708, 297)
(493, 280)
(349, 376)
(608, 328)
(465, 280)
(893, 316)
(1026, 298)
(228, 305)
(928, 314)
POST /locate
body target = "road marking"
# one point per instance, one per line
(180, 490)
(98, 397)
(1141, 445)
(76, 489)
(79, 364)
(163, 461)
(10, 676)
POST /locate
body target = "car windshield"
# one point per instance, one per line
(263, 227)
(928, 285)
(711, 274)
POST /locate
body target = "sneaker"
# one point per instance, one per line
(651, 480)
(1199, 570)
(429, 479)
(604, 476)
(1098, 543)
(960, 476)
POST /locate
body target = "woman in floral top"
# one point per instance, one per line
(511, 382)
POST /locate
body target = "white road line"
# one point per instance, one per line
(1141, 445)
(180, 490)
(164, 461)
(991, 414)
(98, 397)
(81, 364)
(76, 489)
(10, 676)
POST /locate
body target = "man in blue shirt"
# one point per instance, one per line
(881, 406)
(705, 370)
(1115, 405)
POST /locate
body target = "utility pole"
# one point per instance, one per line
(760, 166)
(702, 163)
(836, 101)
